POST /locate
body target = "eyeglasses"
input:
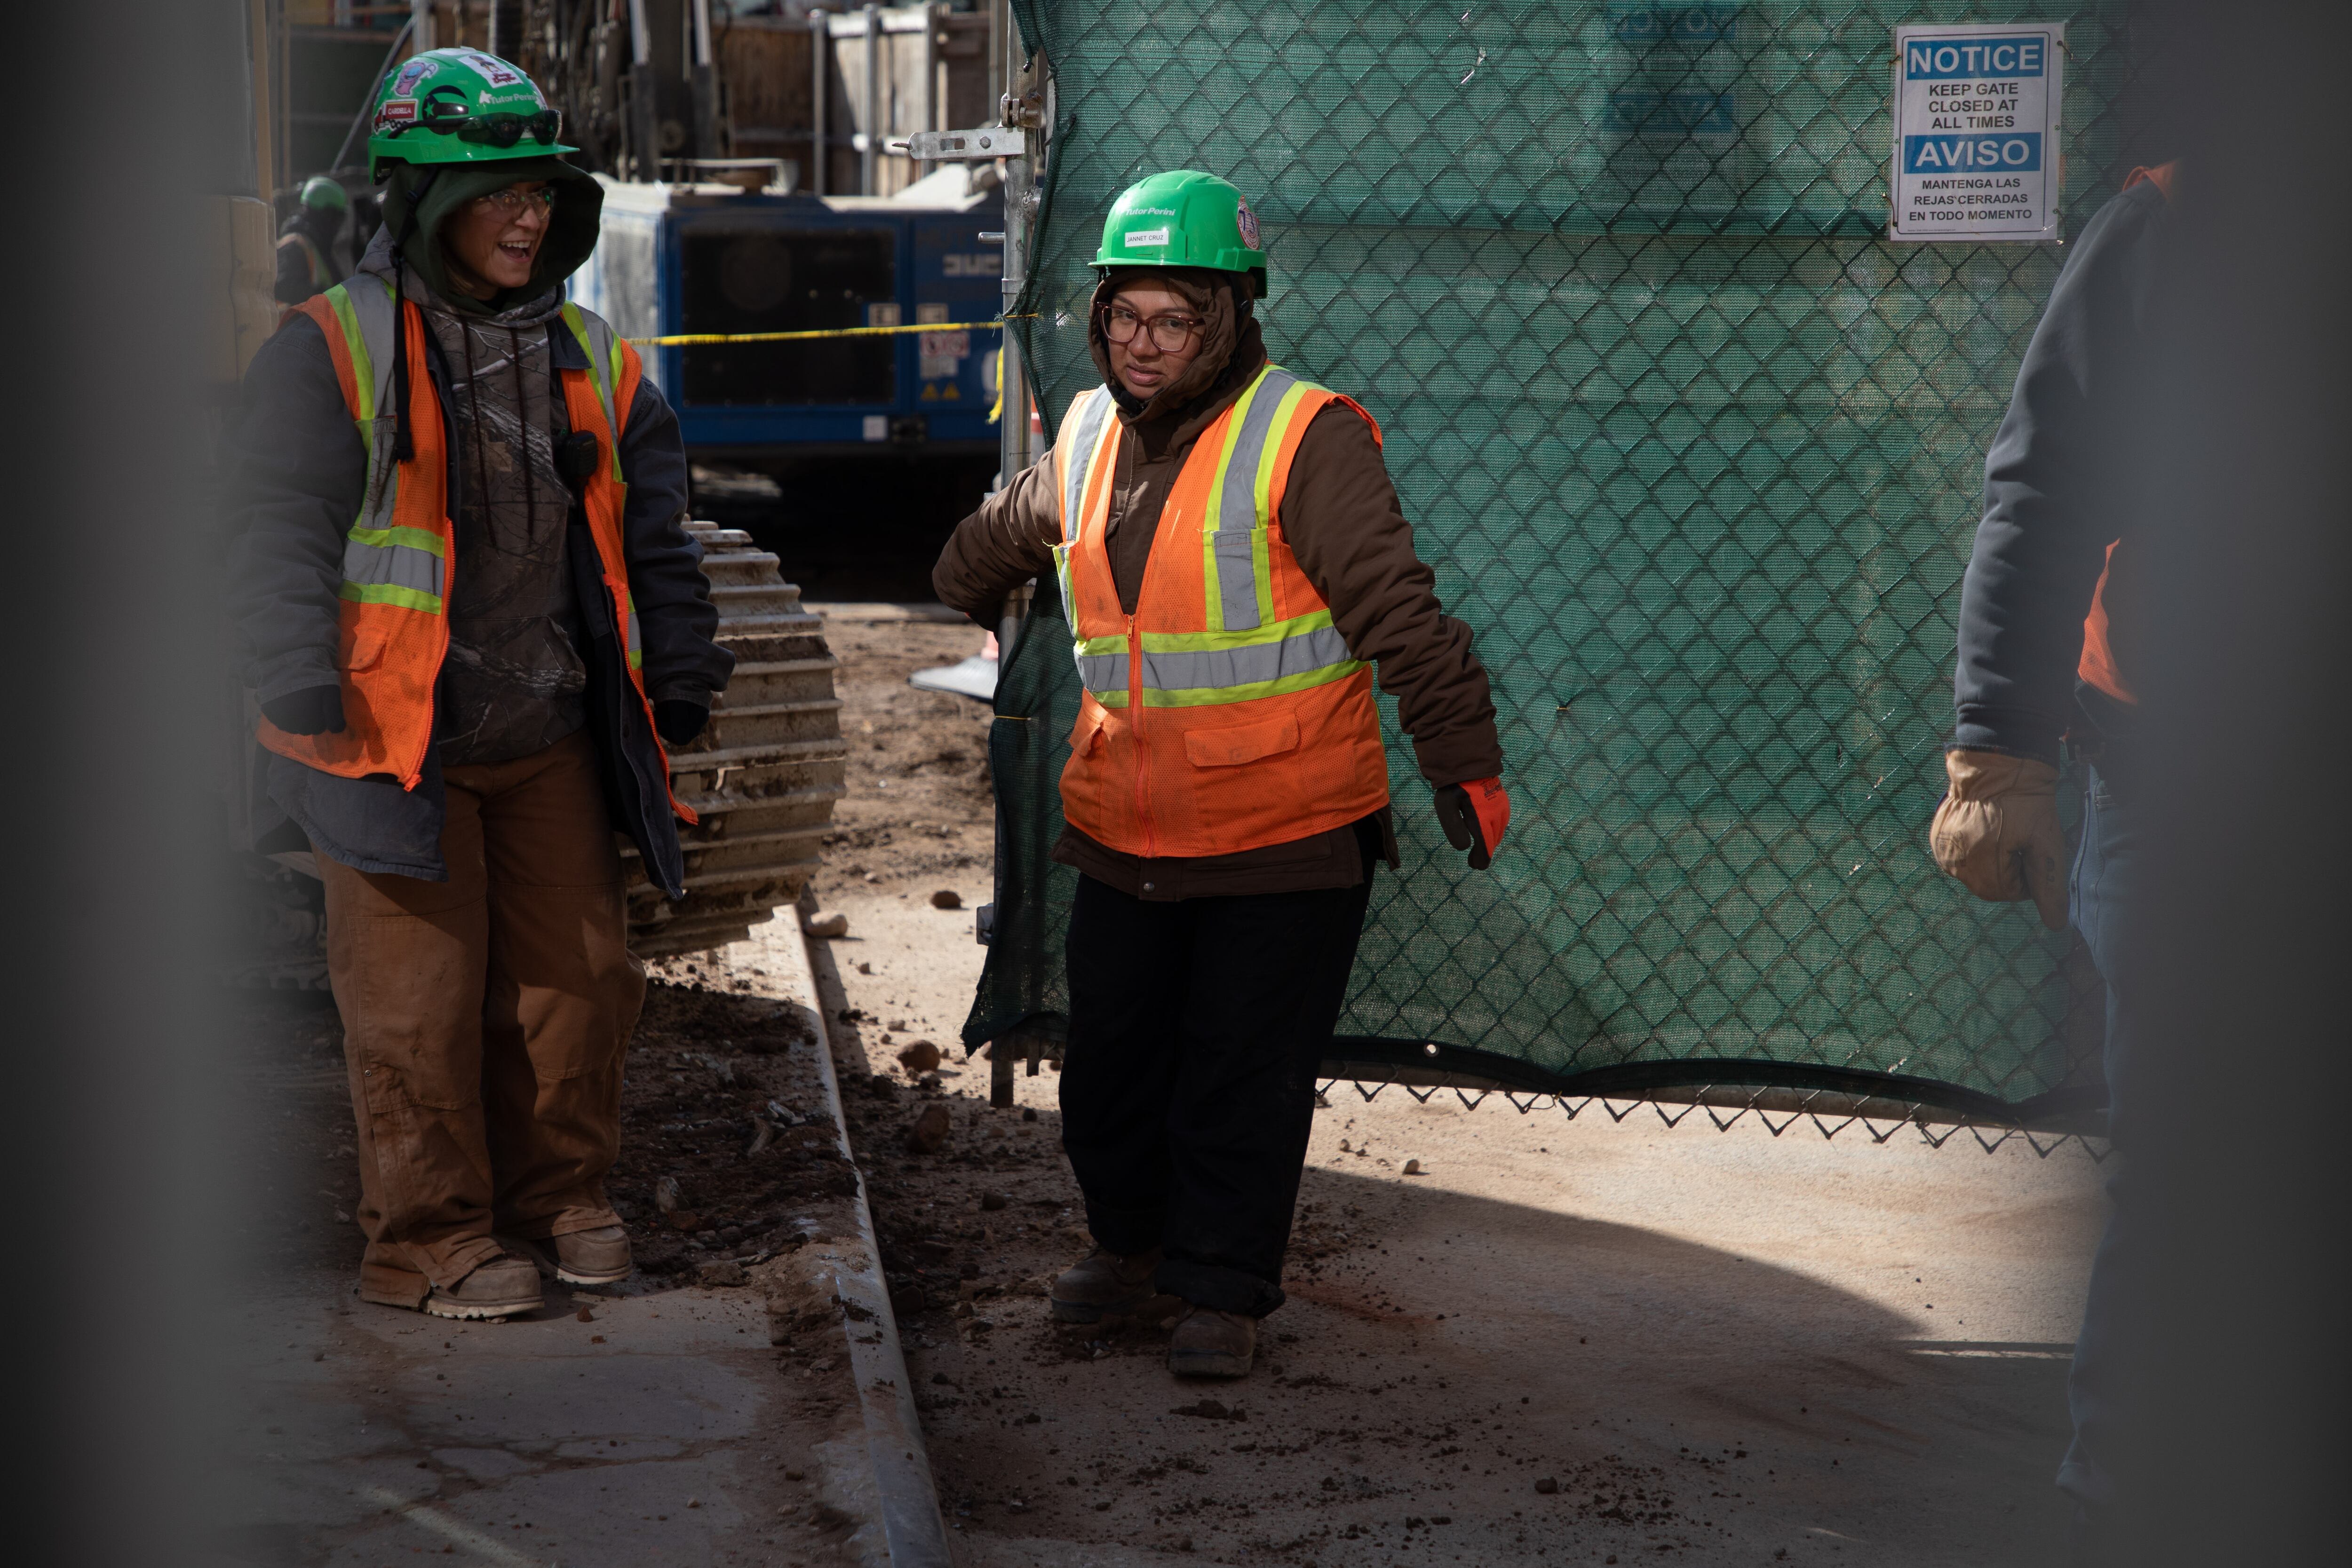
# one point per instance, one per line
(509, 203)
(1168, 333)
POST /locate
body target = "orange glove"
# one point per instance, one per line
(1998, 832)
(1474, 816)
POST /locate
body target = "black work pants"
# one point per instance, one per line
(1188, 1083)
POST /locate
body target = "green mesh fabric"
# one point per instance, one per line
(1694, 449)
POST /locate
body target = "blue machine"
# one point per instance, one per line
(677, 259)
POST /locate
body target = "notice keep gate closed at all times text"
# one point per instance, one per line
(1975, 153)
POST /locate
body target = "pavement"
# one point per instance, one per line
(652, 1423)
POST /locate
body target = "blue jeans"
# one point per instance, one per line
(2103, 901)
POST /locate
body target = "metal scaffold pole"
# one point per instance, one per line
(1018, 107)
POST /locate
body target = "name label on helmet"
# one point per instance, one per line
(1146, 237)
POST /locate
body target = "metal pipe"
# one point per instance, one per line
(645, 149)
(820, 99)
(420, 16)
(1013, 424)
(706, 140)
(931, 94)
(870, 148)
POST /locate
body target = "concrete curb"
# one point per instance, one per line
(909, 1503)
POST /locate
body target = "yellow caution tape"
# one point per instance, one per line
(696, 339)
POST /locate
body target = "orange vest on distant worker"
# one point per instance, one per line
(1227, 713)
(2097, 667)
(394, 625)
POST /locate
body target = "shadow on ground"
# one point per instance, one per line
(1456, 1378)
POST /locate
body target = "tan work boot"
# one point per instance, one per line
(1211, 1343)
(598, 1257)
(498, 1289)
(1103, 1282)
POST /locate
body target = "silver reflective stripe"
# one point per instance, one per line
(1237, 516)
(1106, 672)
(1246, 665)
(371, 300)
(391, 566)
(1081, 458)
(633, 644)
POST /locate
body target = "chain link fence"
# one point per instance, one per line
(1694, 449)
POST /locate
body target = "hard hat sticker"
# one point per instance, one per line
(1138, 237)
(396, 111)
(495, 71)
(410, 75)
(1247, 221)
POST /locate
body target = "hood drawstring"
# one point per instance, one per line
(403, 440)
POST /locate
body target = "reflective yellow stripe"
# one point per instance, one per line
(1240, 671)
(1211, 695)
(339, 300)
(1210, 641)
(390, 594)
(411, 538)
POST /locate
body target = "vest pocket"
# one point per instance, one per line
(1086, 736)
(1231, 748)
(362, 647)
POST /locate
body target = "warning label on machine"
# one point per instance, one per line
(1976, 132)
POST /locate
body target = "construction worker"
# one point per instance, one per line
(2049, 626)
(466, 690)
(1231, 558)
(310, 253)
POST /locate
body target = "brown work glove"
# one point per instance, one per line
(1997, 830)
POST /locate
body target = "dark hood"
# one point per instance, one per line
(571, 231)
(1231, 353)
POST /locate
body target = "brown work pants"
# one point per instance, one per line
(484, 1018)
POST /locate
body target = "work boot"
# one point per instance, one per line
(1102, 1283)
(499, 1289)
(1211, 1343)
(598, 1257)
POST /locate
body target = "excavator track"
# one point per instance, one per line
(763, 776)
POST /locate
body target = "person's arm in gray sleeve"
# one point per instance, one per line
(676, 621)
(2054, 496)
(296, 474)
(1001, 545)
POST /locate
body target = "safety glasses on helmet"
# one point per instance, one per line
(448, 118)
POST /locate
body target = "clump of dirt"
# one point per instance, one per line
(726, 1143)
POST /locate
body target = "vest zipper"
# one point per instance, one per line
(1142, 751)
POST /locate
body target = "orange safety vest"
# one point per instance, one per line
(1227, 713)
(394, 626)
(2098, 666)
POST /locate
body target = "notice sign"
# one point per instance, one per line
(1976, 132)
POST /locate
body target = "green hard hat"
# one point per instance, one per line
(324, 195)
(460, 106)
(1183, 218)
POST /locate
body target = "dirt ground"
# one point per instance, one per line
(1586, 1340)
(1565, 1342)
